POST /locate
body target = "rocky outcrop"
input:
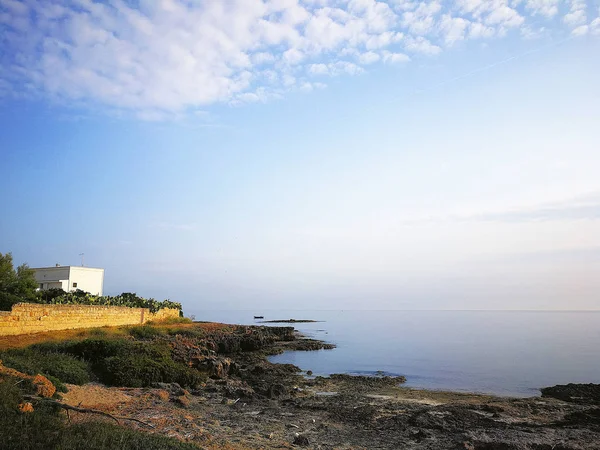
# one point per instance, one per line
(586, 394)
(43, 386)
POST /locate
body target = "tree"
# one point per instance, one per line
(16, 285)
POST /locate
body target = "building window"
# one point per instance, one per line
(74, 285)
(41, 285)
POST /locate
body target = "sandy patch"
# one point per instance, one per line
(95, 396)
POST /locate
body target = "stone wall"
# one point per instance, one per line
(27, 318)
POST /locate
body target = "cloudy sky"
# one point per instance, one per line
(307, 153)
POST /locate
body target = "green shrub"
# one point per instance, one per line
(103, 436)
(145, 364)
(31, 431)
(122, 362)
(146, 332)
(66, 368)
(171, 321)
(130, 300)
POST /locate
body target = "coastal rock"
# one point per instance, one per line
(277, 390)
(182, 401)
(301, 440)
(43, 386)
(214, 366)
(173, 389)
(585, 394)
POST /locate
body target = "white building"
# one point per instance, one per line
(71, 278)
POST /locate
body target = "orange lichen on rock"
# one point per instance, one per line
(43, 386)
(26, 407)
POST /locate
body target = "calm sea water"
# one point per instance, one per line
(500, 352)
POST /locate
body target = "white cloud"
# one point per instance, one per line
(548, 8)
(167, 58)
(453, 28)
(335, 68)
(421, 20)
(393, 58)
(368, 58)
(595, 27)
(577, 15)
(529, 33)
(580, 30)
(478, 30)
(421, 45)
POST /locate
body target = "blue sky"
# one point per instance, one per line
(307, 154)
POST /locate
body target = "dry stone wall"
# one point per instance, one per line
(27, 318)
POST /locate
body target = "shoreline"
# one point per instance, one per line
(248, 402)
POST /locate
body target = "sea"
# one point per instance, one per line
(507, 353)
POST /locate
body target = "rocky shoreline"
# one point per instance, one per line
(280, 406)
(247, 402)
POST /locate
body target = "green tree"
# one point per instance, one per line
(16, 285)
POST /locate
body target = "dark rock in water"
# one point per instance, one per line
(308, 345)
(585, 394)
(361, 380)
(301, 440)
(290, 321)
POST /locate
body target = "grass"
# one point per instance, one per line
(59, 366)
(171, 321)
(45, 428)
(146, 332)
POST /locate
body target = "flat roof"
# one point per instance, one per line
(65, 267)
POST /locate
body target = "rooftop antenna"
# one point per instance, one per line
(81, 254)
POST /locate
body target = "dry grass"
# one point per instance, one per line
(25, 340)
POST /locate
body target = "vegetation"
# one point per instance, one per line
(46, 428)
(59, 366)
(16, 285)
(80, 297)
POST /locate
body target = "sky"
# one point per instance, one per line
(307, 154)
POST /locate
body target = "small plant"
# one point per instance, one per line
(146, 332)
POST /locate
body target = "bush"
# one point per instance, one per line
(171, 321)
(66, 368)
(121, 362)
(146, 332)
(130, 300)
(102, 436)
(31, 431)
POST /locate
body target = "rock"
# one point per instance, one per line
(26, 407)
(183, 401)
(575, 393)
(43, 386)
(162, 394)
(301, 440)
(215, 366)
(277, 391)
(173, 389)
